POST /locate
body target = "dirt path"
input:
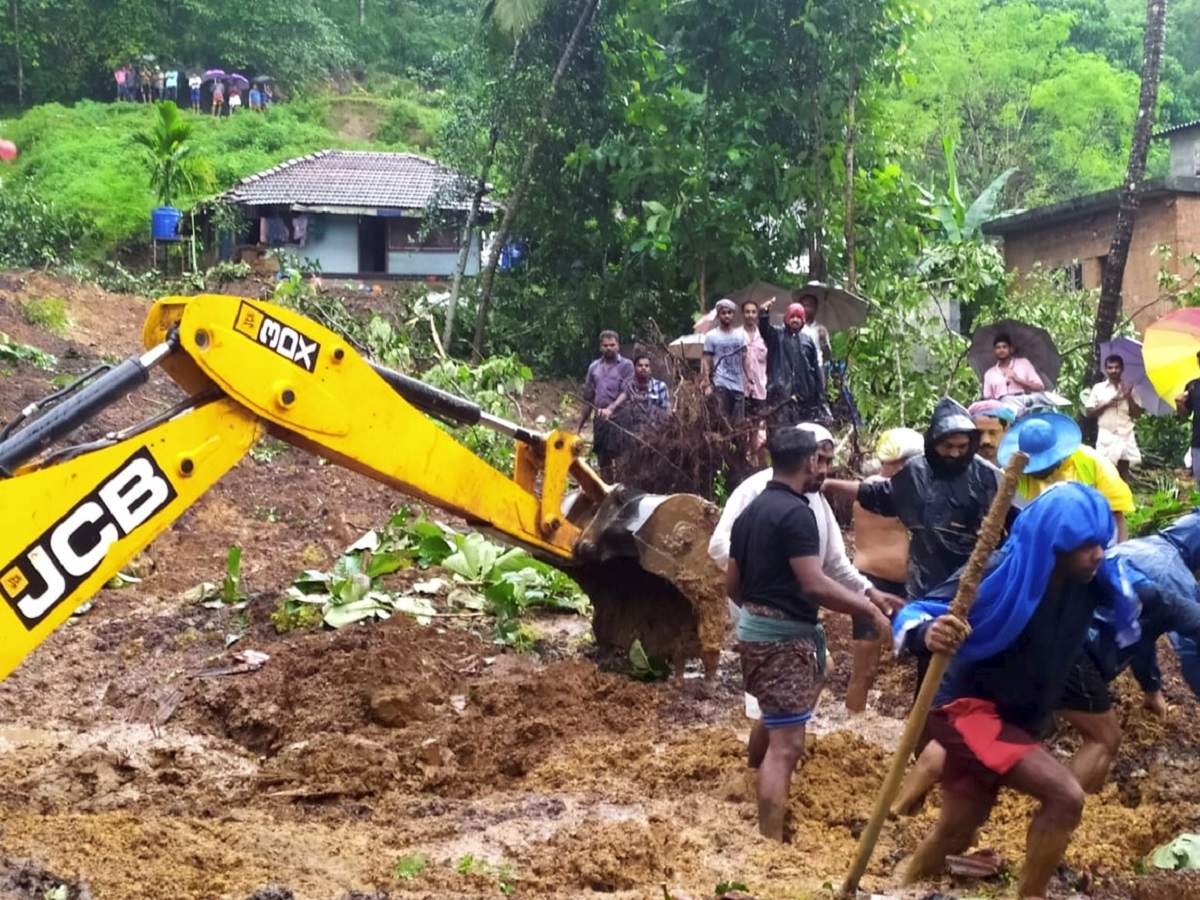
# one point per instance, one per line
(127, 773)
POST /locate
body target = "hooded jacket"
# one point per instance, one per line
(941, 509)
(1162, 566)
(793, 365)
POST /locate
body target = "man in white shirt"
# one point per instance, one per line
(834, 562)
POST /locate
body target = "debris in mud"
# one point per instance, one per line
(24, 878)
(272, 892)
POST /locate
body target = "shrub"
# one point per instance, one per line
(36, 232)
(49, 313)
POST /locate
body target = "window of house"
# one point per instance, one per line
(1069, 276)
(405, 234)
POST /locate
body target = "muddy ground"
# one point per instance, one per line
(129, 770)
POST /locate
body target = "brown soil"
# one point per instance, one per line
(127, 772)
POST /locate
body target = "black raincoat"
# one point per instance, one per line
(793, 371)
(942, 509)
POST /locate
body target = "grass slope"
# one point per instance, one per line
(81, 157)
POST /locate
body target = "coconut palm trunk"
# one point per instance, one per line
(1109, 306)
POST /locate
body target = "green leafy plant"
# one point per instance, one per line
(36, 231)
(267, 449)
(1159, 510)
(728, 887)
(170, 156)
(13, 352)
(49, 313)
(409, 867)
(644, 667)
(231, 585)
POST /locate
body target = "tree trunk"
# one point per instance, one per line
(15, 7)
(464, 252)
(848, 216)
(362, 12)
(1118, 251)
(513, 206)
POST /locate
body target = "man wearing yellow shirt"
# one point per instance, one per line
(1060, 455)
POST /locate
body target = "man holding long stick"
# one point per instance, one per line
(1028, 624)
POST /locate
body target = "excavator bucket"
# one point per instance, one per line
(643, 559)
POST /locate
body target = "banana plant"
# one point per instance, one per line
(962, 223)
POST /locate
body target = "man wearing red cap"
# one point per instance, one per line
(795, 384)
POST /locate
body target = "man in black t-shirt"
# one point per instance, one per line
(775, 576)
(1189, 402)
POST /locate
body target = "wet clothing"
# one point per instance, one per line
(795, 382)
(605, 379)
(785, 677)
(1193, 406)
(1159, 570)
(1086, 690)
(756, 352)
(776, 527)
(1085, 466)
(1027, 630)
(942, 512)
(981, 746)
(1115, 440)
(725, 350)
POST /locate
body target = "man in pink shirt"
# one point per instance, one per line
(1011, 374)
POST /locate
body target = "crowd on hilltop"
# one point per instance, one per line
(148, 82)
(1067, 603)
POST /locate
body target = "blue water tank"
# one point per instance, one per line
(164, 223)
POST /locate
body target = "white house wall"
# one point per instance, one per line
(333, 244)
(432, 262)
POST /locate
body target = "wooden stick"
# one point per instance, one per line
(968, 585)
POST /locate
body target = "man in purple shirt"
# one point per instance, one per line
(606, 377)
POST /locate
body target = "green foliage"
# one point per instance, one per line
(409, 867)
(962, 223)
(170, 156)
(13, 352)
(267, 449)
(644, 667)
(1160, 509)
(728, 887)
(37, 232)
(231, 585)
(49, 313)
(496, 384)
(409, 123)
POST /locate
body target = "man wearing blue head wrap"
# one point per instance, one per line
(1029, 622)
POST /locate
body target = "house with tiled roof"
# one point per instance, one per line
(363, 213)
(1072, 238)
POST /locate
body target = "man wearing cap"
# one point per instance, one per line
(992, 418)
(1056, 454)
(774, 575)
(1112, 405)
(831, 552)
(941, 496)
(724, 366)
(881, 554)
(1011, 374)
(795, 382)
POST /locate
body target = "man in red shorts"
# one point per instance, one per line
(1029, 622)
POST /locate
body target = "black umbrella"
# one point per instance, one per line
(1030, 341)
(837, 308)
(262, 79)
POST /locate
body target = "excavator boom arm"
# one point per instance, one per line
(252, 366)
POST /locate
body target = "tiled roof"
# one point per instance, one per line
(357, 178)
(1175, 129)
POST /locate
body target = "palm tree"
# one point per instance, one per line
(1127, 201)
(174, 167)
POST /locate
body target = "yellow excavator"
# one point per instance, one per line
(75, 513)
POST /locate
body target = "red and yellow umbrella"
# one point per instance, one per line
(1170, 352)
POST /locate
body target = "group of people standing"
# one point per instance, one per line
(149, 83)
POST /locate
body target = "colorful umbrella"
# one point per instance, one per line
(1135, 376)
(213, 74)
(238, 79)
(1029, 341)
(1170, 352)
